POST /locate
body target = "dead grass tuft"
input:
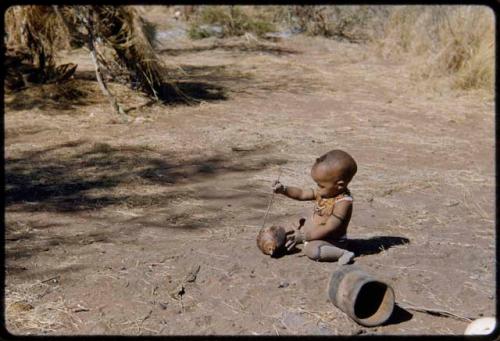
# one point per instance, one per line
(446, 44)
(25, 312)
(230, 20)
(54, 95)
(352, 23)
(443, 41)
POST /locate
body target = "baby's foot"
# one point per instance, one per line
(346, 258)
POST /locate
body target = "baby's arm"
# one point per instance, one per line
(334, 223)
(293, 192)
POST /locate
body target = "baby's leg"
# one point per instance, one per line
(322, 251)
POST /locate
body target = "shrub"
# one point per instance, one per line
(232, 21)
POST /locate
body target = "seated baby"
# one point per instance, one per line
(324, 234)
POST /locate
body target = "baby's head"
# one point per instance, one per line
(332, 172)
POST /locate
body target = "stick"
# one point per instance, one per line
(270, 202)
(91, 46)
(50, 279)
(438, 312)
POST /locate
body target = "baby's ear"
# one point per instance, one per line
(340, 183)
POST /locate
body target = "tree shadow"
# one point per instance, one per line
(195, 84)
(190, 88)
(79, 176)
(48, 180)
(240, 47)
(53, 97)
(191, 92)
(363, 247)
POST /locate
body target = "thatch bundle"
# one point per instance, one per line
(38, 32)
(122, 29)
(33, 34)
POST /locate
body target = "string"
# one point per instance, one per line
(270, 202)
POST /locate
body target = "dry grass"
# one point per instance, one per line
(440, 42)
(35, 25)
(24, 310)
(454, 44)
(53, 96)
(352, 23)
(232, 20)
(43, 30)
(443, 41)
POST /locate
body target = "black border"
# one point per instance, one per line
(4, 333)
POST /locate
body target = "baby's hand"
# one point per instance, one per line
(293, 238)
(278, 187)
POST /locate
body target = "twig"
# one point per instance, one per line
(50, 279)
(270, 202)
(192, 274)
(146, 317)
(435, 312)
(276, 330)
(80, 309)
(88, 20)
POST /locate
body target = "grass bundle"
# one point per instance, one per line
(444, 41)
(41, 31)
(123, 30)
(33, 34)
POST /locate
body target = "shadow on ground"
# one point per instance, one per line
(363, 247)
(191, 88)
(399, 315)
(77, 175)
(240, 47)
(191, 92)
(58, 97)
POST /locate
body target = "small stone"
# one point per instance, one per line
(452, 203)
(163, 305)
(283, 285)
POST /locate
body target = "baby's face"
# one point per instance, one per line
(326, 180)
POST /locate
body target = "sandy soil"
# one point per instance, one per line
(149, 227)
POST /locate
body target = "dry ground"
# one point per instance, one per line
(105, 220)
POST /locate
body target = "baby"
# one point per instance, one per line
(324, 234)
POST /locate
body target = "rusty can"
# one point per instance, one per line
(366, 300)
